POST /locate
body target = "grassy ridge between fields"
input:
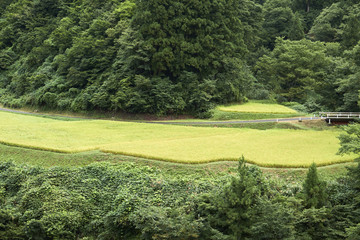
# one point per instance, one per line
(273, 148)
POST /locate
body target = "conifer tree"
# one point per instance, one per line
(230, 213)
(314, 189)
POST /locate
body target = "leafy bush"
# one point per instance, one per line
(128, 201)
(296, 106)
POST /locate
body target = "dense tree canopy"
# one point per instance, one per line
(177, 56)
(158, 57)
(301, 71)
(280, 21)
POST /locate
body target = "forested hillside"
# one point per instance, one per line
(178, 56)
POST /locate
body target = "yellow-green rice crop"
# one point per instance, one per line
(276, 147)
(257, 107)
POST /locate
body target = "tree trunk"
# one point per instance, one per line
(307, 5)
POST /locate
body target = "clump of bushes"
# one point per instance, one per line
(125, 201)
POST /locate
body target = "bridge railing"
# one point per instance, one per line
(339, 114)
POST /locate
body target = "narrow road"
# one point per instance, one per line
(38, 114)
(188, 123)
(240, 121)
(16, 111)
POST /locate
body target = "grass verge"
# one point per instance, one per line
(304, 125)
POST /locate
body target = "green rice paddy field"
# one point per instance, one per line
(183, 144)
(254, 109)
(258, 107)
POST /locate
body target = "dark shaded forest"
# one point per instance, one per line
(179, 56)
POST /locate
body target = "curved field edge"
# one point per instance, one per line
(45, 158)
(271, 165)
(275, 148)
(54, 150)
(170, 160)
(174, 160)
(30, 157)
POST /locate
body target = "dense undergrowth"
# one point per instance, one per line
(128, 201)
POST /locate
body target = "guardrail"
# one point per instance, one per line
(339, 114)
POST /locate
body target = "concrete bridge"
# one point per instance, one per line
(339, 117)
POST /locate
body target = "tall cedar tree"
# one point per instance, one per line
(230, 214)
(193, 36)
(194, 47)
(314, 189)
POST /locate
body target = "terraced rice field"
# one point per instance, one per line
(258, 107)
(275, 147)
